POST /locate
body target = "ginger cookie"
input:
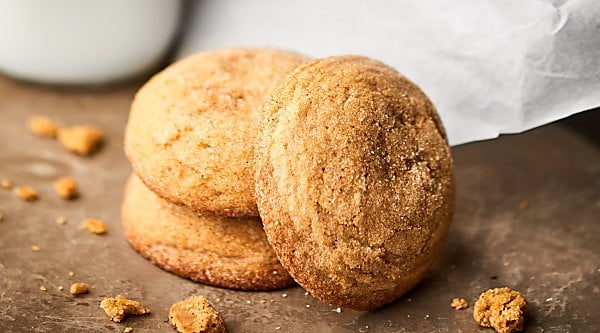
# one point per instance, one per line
(218, 251)
(354, 180)
(192, 127)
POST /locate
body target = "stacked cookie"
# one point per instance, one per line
(190, 207)
(344, 161)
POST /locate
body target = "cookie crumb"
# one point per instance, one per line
(35, 248)
(82, 140)
(338, 310)
(79, 288)
(60, 288)
(502, 309)
(71, 274)
(61, 220)
(195, 314)
(5, 184)
(284, 295)
(26, 193)
(128, 329)
(42, 126)
(66, 187)
(94, 226)
(116, 308)
(42, 288)
(459, 303)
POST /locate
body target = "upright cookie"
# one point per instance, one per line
(192, 127)
(219, 251)
(354, 180)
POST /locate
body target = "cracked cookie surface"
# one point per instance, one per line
(354, 180)
(192, 127)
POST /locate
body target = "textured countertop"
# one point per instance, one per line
(528, 210)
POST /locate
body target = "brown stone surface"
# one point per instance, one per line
(547, 250)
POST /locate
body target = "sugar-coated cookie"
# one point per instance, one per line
(354, 180)
(219, 251)
(192, 127)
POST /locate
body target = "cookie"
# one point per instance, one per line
(192, 127)
(219, 251)
(354, 180)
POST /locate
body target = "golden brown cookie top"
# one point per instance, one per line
(355, 182)
(192, 127)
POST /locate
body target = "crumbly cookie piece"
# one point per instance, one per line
(219, 251)
(66, 187)
(502, 309)
(79, 288)
(354, 180)
(195, 314)
(459, 303)
(82, 139)
(26, 193)
(94, 226)
(192, 127)
(117, 308)
(42, 126)
(35, 248)
(5, 184)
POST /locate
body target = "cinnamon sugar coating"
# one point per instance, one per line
(354, 180)
(192, 127)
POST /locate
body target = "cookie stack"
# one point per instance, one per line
(344, 161)
(190, 208)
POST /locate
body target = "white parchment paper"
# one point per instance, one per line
(490, 66)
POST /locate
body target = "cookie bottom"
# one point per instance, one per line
(217, 251)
